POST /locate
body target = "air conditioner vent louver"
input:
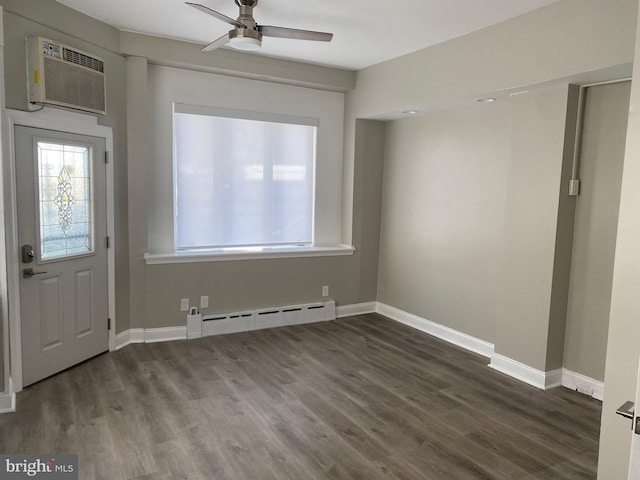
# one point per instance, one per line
(73, 87)
(83, 60)
(66, 77)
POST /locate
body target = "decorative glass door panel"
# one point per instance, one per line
(64, 193)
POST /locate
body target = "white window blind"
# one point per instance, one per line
(242, 179)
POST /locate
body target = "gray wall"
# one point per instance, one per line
(70, 27)
(442, 216)
(52, 20)
(2, 357)
(146, 295)
(247, 284)
(538, 229)
(561, 40)
(585, 40)
(535, 61)
(597, 43)
(138, 150)
(596, 221)
(369, 160)
(552, 44)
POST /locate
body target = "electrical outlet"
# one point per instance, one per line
(204, 301)
(184, 305)
(325, 291)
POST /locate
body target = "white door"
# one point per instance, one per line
(61, 198)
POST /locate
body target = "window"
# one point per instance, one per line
(242, 179)
(178, 93)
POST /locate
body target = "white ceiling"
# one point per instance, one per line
(366, 32)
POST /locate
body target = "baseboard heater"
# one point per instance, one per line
(220, 324)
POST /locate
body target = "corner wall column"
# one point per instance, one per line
(138, 154)
(532, 300)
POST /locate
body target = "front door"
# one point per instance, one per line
(62, 233)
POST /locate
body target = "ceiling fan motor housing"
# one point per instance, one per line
(245, 33)
(246, 18)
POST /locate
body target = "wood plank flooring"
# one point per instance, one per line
(358, 398)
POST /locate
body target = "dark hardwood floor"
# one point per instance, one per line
(358, 398)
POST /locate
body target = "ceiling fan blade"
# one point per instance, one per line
(221, 42)
(218, 15)
(282, 32)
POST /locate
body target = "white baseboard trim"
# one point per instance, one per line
(8, 400)
(122, 339)
(447, 334)
(150, 335)
(356, 309)
(553, 379)
(137, 335)
(583, 384)
(167, 334)
(525, 373)
(508, 366)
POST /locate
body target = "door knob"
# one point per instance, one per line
(28, 273)
(626, 410)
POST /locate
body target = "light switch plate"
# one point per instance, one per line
(204, 301)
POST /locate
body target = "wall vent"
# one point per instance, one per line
(220, 324)
(64, 76)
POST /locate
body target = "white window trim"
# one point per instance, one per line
(226, 254)
(211, 111)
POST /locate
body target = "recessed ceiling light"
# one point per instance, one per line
(410, 112)
(485, 100)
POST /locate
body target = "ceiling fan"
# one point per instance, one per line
(247, 34)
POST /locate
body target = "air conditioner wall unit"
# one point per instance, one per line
(64, 76)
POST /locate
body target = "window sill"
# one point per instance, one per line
(223, 255)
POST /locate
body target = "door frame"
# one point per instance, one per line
(49, 118)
